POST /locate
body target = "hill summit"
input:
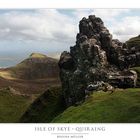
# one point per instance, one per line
(36, 66)
(37, 55)
(96, 62)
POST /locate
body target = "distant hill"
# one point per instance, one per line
(36, 66)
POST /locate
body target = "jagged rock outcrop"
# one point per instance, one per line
(95, 59)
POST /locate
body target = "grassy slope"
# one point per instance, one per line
(12, 106)
(135, 41)
(121, 106)
(45, 108)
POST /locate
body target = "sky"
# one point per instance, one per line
(51, 31)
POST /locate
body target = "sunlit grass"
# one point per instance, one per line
(102, 107)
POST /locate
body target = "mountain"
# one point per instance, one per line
(33, 75)
(37, 66)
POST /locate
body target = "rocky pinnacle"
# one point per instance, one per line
(96, 60)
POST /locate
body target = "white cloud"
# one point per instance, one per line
(104, 14)
(109, 14)
(52, 25)
(126, 28)
(121, 29)
(39, 25)
(80, 13)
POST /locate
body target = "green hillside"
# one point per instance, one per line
(123, 106)
(45, 107)
(135, 41)
(12, 106)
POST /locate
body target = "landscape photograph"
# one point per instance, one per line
(69, 65)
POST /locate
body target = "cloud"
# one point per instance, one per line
(126, 28)
(104, 14)
(38, 25)
(52, 25)
(121, 29)
(109, 14)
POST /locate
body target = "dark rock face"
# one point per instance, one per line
(95, 59)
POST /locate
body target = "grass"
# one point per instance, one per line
(123, 106)
(135, 41)
(12, 106)
(45, 108)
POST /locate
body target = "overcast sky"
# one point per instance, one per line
(52, 31)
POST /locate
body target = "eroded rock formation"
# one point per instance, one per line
(95, 59)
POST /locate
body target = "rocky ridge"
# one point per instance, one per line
(95, 61)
